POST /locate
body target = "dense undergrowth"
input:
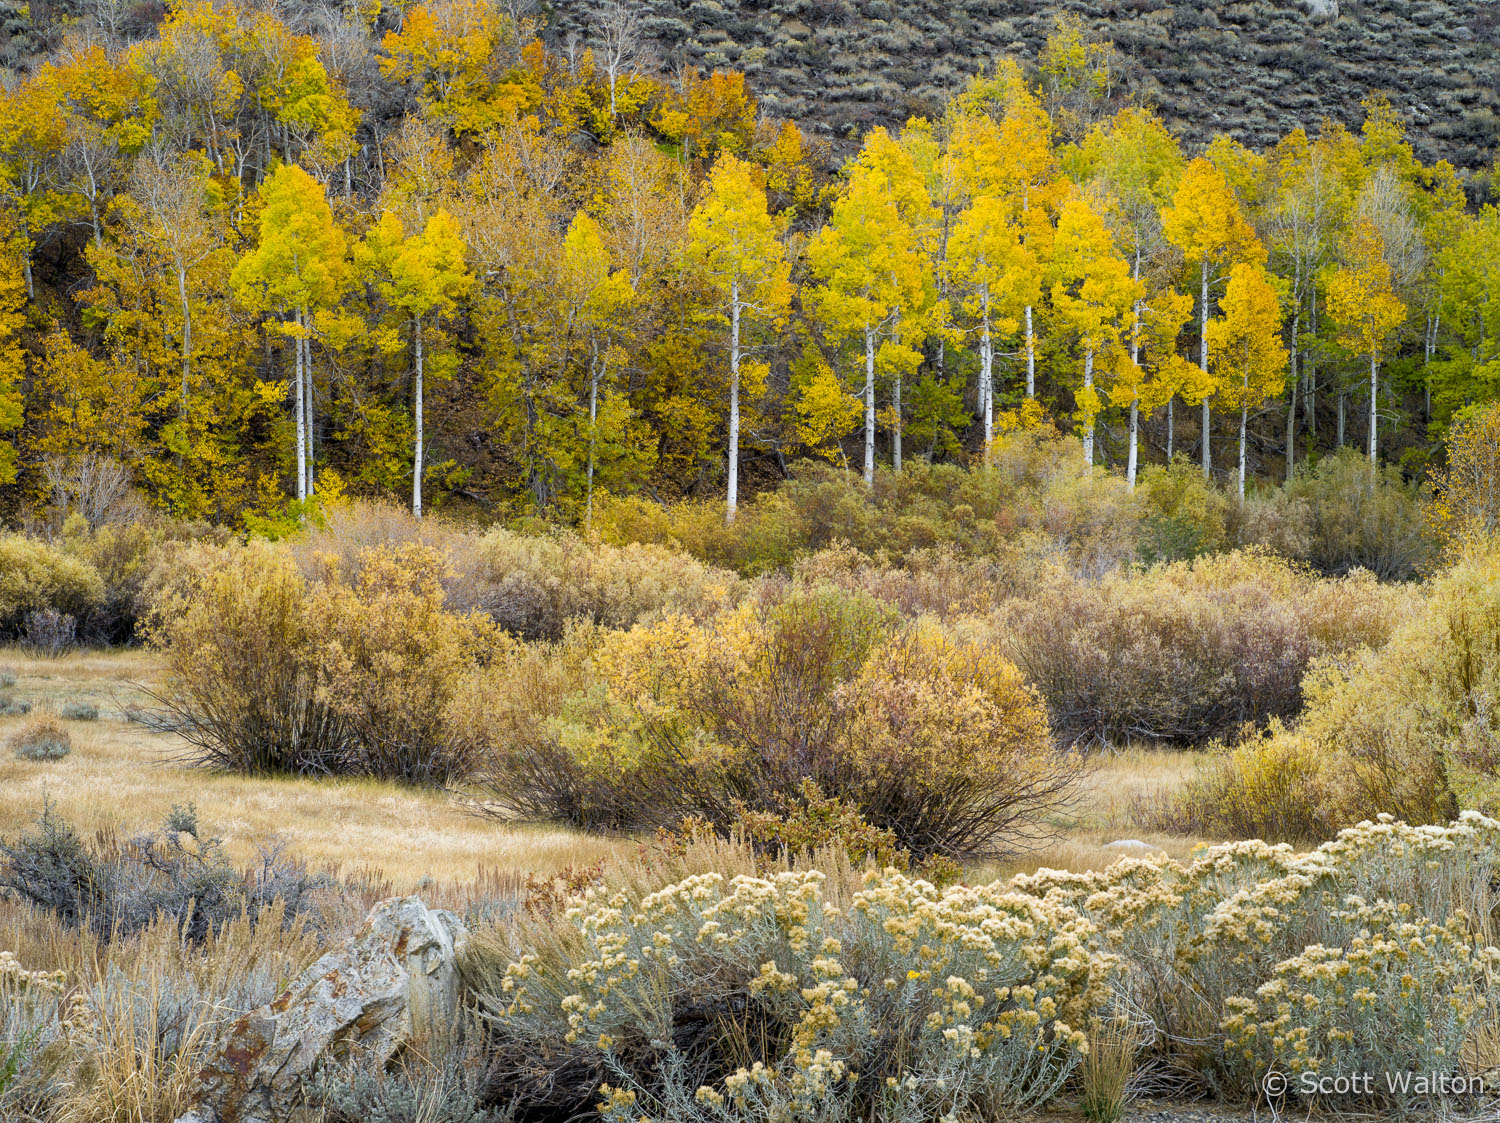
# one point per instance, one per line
(714, 982)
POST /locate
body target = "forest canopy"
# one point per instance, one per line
(255, 261)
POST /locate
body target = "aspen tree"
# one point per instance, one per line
(1205, 223)
(297, 269)
(421, 278)
(734, 241)
(1094, 296)
(1362, 300)
(1140, 164)
(1248, 355)
(870, 271)
(999, 279)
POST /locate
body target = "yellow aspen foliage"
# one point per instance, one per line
(735, 242)
(1249, 358)
(1094, 295)
(1364, 304)
(1206, 224)
(463, 57)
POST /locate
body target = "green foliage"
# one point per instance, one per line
(1183, 516)
(35, 576)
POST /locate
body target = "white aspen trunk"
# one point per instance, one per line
(1343, 397)
(1088, 430)
(26, 272)
(312, 450)
(734, 401)
(298, 392)
(1030, 356)
(416, 476)
(187, 341)
(588, 518)
(1208, 462)
(1135, 359)
(987, 377)
(1244, 416)
(1374, 404)
(1310, 366)
(1171, 415)
(869, 407)
(896, 436)
(1293, 383)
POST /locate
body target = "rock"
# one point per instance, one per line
(395, 979)
(1133, 846)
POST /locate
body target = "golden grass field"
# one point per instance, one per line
(123, 777)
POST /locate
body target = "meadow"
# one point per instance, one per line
(975, 795)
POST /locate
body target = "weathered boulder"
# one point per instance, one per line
(394, 980)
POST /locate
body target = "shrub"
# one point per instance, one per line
(41, 739)
(389, 663)
(1186, 651)
(37, 577)
(125, 554)
(928, 733)
(1183, 515)
(1410, 728)
(14, 706)
(79, 711)
(244, 685)
(905, 1004)
(1034, 489)
(1340, 515)
(811, 825)
(1245, 933)
(116, 888)
(49, 632)
(7, 679)
(1269, 787)
(449, 1087)
(532, 586)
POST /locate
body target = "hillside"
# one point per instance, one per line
(1253, 69)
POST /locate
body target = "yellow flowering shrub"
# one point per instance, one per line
(758, 999)
(1246, 958)
(790, 996)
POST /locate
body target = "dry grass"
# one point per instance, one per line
(123, 778)
(1105, 812)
